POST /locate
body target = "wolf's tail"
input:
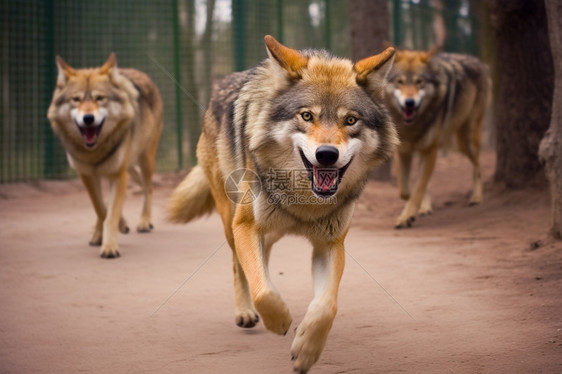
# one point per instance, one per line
(192, 198)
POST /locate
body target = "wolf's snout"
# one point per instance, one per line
(327, 155)
(88, 119)
(409, 103)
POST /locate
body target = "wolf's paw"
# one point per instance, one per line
(405, 196)
(425, 211)
(308, 344)
(274, 312)
(96, 239)
(474, 201)
(247, 319)
(403, 223)
(109, 251)
(123, 228)
(144, 226)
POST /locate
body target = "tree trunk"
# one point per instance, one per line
(525, 83)
(207, 46)
(191, 105)
(550, 150)
(369, 25)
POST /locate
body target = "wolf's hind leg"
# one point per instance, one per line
(146, 161)
(414, 203)
(327, 268)
(468, 140)
(426, 207)
(134, 173)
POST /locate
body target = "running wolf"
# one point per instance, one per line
(435, 99)
(299, 111)
(108, 120)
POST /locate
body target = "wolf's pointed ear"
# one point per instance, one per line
(386, 44)
(426, 56)
(64, 71)
(110, 66)
(372, 71)
(289, 59)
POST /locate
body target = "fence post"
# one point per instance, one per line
(328, 29)
(238, 20)
(279, 36)
(50, 169)
(397, 22)
(177, 71)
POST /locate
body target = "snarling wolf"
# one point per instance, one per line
(109, 120)
(309, 126)
(436, 99)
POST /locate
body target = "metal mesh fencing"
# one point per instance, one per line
(183, 45)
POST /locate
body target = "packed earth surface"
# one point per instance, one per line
(465, 290)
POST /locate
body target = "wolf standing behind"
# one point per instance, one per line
(435, 98)
(302, 113)
(108, 120)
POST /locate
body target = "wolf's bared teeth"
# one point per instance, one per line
(409, 113)
(325, 179)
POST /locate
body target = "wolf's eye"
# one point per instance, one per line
(75, 99)
(100, 97)
(419, 81)
(399, 81)
(307, 116)
(350, 121)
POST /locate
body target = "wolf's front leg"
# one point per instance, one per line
(327, 268)
(113, 220)
(404, 163)
(414, 204)
(249, 246)
(93, 186)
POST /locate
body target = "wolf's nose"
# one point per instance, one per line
(409, 103)
(327, 155)
(88, 119)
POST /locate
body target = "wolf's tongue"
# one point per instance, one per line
(90, 134)
(324, 179)
(409, 113)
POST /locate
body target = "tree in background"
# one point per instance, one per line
(369, 27)
(207, 47)
(525, 84)
(550, 150)
(191, 106)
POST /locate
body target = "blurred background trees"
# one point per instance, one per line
(550, 150)
(187, 45)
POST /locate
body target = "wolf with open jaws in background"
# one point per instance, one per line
(435, 99)
(108, 120)
(297, 111)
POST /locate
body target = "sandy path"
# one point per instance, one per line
(473, 298)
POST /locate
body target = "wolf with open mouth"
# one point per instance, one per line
(108, 120)
(297, 111)
(437, 100)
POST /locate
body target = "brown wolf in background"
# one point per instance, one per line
(108, 120)
(299, 111)
(435, 99)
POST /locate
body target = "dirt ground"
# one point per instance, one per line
(466, 290)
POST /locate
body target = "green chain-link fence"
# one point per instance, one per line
(184, 45)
